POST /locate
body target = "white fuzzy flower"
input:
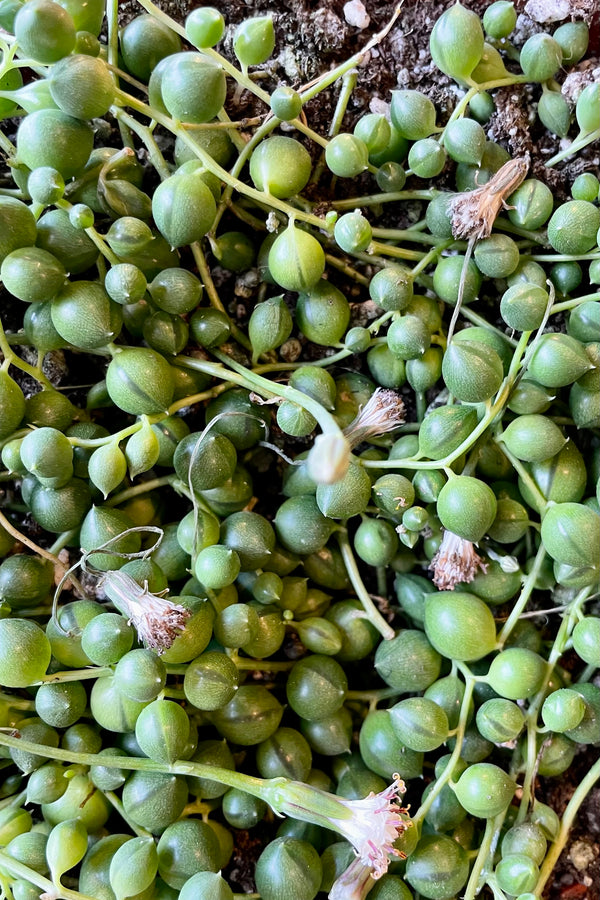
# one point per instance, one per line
(374, 826)
(371, 825)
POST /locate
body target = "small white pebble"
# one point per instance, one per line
(377, 105)
(356, 15)
(544, 11)
(272, 223)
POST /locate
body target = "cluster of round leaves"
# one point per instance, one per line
(248, 579)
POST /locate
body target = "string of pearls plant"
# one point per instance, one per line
(299, 579)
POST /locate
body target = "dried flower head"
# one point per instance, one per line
(473, 213)
(383, 412)
(157, 620)
(455, 562)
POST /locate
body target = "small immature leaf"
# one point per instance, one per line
(270, 325)
(142, 450)
(107, 467)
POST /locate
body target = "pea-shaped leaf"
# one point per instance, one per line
(205, 460)
(459, 625)
(162, 730)
(183, 208)
(254, 41)
(444, 429)
(82, 86)
(456, 42)
(296, 260)
(533, 438)
(571, 534)
(485, 790)
(347, 497)
(133, 867)
(24, 652)
(541, 57)
(67, 845)
(107, 467)
(413, 114)
(558, 360)
(573, 227)
(32, 274)
(85, 316)
(142, 450)
(269, 326)
(12, 405)
(140, 381)
(554, 113)
(467, 507)
(49, 137)
(473, 372)
(322, 313)
(280, 166)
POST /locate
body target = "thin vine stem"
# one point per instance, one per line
(373, 614)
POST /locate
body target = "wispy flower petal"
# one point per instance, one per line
(157, 620)
(383, 412)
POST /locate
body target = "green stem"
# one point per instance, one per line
(430, 257)
(213, 295)
(522, 472)
(568, 818)
(558, 648)
(143, 488)
(11, 358)
(380, 249)
(576, 301)
(242, 79)
(117, 805)
(521, 603)
(112, 18)
(413, 463)
(564, 257)
(265, 129)
(446, 775)
(373, 614)
(269, 389)
(582, 140)
(405, 234)
(13, 867)
(290, 367)
(376, 199)
(76, 675)
(179, 131)
(484, 86)
(93, 235)
(347, 269)
(490, 837)
(145, 134)
(7, 146)
(476, 319)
